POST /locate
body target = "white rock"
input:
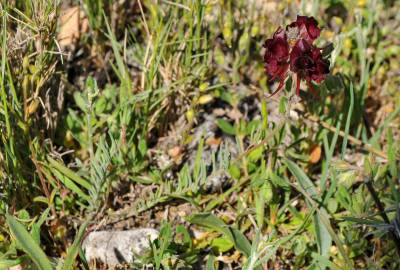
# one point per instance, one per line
(117, 247)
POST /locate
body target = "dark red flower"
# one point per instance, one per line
(276, 56)
(307, 28)
(307, 62)
(294, 49)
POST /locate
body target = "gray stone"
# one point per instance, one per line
(114, 248)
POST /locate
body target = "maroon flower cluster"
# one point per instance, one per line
(292, 49)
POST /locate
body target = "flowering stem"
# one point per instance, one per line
(297, 85)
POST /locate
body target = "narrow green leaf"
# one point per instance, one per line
(302, 178)
(260, 208)
(198, 161)
(187, 240)
(365, 221)
(69, 173)
(240, 241)
(27, 243)
(391, 153)
(122, 71)
(221, 244)
(210, 262)
(207, 220)
(392, 161)
(329, 151)
(71, 185)
(226, 127)
(211, 221)
(264, 114)
(325, 262)
(142, 147)
(35, 230)
(324, 239)
(80, 101)
(74, 249)
(5, 264)
(373, 141)
(252, 126)
(256, 153)
(348, 120)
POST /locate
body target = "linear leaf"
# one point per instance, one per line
(226, 127)
(74, 249)
(302, 178)
(71, 185)
(27, 243)
(348, 121)
(211, 221)
(69, 173)
(210, 262)
(324, 239)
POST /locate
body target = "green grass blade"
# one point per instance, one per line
(302, 178)
(348, 120)
(322, 213)
(373, 141)
(226, 127)
(123, 73)
(6, 264)
(71, 185)
(329, 150)
(324, 240)
(74, 249)
(210, 263)
(69, 173)
(27, 243)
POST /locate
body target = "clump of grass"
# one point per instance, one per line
(29, 91)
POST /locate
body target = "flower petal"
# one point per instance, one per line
(307, 26)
